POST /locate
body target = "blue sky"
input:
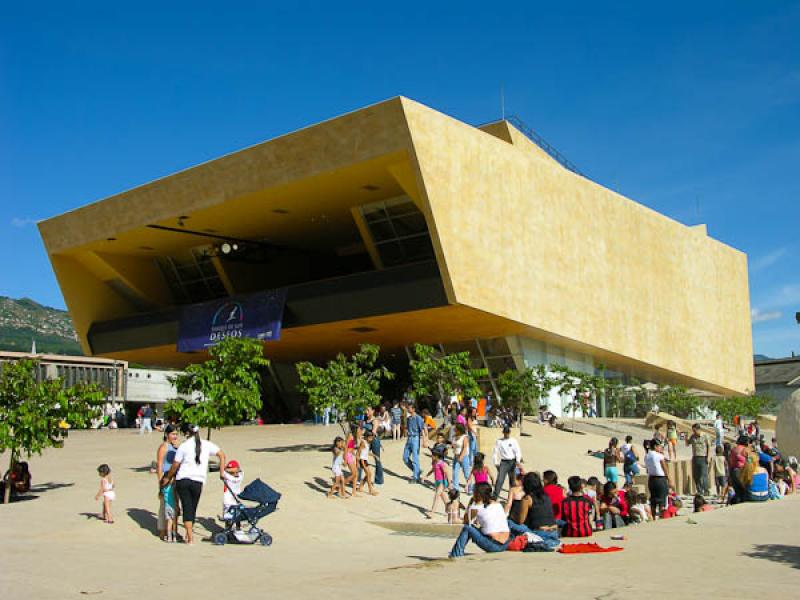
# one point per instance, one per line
(690, 108)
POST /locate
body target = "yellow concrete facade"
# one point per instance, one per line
(552, 255)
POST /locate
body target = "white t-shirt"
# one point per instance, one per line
(653, 463)
(718, 426)
(189, 469)
(492, 519)
(233, 483)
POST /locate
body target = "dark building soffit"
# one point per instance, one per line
(401, 289)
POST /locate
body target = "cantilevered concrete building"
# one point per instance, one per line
(397, 224)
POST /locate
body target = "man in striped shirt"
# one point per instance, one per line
(576, 510)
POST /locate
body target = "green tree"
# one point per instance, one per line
(347, 383)
(37, 414)
(749, 406)
(573, 384)
(442, 375)
(525, 389)
(677, 400)
(228, 385)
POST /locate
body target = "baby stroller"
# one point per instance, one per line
(267, 499)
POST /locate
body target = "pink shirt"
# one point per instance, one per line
(461, 419)
(438, 470)
(481, 476)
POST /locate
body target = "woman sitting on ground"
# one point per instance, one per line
(755, 480)
(490, 532)
(535, 511)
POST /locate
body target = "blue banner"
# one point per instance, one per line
(256, 316)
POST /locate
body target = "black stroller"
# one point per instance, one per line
(267, 499)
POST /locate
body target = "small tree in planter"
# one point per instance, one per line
(35, 415)
(347, 383)
(229, 385)
(442, 375)
(524, 390)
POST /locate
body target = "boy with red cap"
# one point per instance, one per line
(232, 482)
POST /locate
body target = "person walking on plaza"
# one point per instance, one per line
(701, 457)
(190, 469)
(397, 416)
(507, 457)
(146, 420)
(415, 429)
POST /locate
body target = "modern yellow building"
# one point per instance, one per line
(397, 224)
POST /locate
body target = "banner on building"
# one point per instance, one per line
(255, 316)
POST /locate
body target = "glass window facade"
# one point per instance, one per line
(398, 230)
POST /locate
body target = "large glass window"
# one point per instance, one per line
(192, 278)
(398, 230)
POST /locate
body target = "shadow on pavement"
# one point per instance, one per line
(145, 519)
(295, 448)
(779, 553)
(50, 485)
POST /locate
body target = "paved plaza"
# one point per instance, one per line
(54, 547)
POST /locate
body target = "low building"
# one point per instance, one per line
(778, 378)
(107, 373)
(151, 386)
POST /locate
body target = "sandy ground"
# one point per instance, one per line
(53, 547)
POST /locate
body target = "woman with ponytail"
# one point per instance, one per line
(190, 468)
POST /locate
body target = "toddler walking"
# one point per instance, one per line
(106, 491)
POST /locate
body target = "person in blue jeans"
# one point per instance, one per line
(461, 460)
(534, 514)
(490, 532)
(630, 460)
(415, 429)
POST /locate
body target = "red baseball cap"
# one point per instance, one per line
(232, 464)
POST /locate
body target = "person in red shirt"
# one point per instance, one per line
(576, 509)
(554, 491)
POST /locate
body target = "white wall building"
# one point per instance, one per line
(151, 386)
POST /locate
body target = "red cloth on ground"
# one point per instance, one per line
(518, 543)
(586, 548)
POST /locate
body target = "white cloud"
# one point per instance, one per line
(759, 316)
(23, 222)
(763, 262)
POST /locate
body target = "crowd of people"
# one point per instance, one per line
(536, 505)
(538, 508)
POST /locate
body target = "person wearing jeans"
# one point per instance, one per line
(190, 469)
(507, 457)
(701, 455)
(415, 429)
(490, 532)
(460, 455)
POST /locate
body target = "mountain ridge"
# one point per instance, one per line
(23, 321)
